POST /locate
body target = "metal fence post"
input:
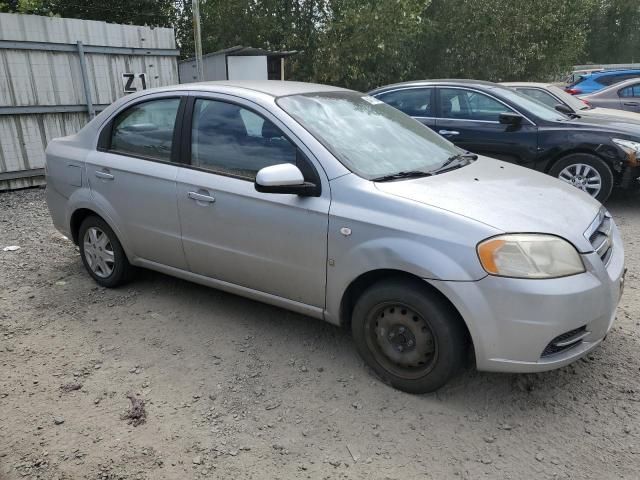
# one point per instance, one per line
(85, 81)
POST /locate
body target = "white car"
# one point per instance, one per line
(555, 97)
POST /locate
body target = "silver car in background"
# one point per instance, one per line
(335, 205)
(594, 111)
(623, 96)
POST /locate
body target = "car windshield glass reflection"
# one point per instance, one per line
(368, 136)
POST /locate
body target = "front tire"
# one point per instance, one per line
(587, 172)
(102, 254)
(412, 338)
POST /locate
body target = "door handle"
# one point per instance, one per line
(448, 132)
(104, 175)
(632, 104)
(199, 197)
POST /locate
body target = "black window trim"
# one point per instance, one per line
(185, 144)
(106, 133)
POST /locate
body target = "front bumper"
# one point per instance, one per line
(512, 321)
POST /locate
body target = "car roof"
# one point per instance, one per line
(526, 84)
(615, 72)
(273, 88)
(461, 81)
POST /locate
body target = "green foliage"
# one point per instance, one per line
(614, 34)
(369, 43)
(160, 13)
(503, 40)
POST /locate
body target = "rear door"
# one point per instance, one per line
(630, 98)
(133, 173)
(470, 119)
(417, 102)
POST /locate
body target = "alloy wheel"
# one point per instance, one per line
(98, 252)
(582, 176)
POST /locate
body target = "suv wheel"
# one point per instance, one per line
(586, 172)
(102, 253)
(411, 338)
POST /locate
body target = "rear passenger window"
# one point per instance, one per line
(632, 91)
(412, 101)
(146, 129)
(611, 79)
(232, 140)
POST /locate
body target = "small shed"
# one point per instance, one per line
(236, 63)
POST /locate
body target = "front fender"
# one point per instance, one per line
(349, 260)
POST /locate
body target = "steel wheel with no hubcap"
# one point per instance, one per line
(401, 341)
(582, 176)
(98, 252)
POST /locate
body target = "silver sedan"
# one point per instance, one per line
(333, 204)
(623, 96)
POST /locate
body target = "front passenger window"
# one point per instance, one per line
(232, 140)
(146, 129)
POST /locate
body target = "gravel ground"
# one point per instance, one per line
(167, 379)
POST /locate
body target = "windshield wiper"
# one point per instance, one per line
(399, 175)
(455, 161)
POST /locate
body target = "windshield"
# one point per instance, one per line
(369, 137)
(539, 109)
(569, 99)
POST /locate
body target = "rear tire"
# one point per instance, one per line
(584, 171)
(102, 254)
(413, 339)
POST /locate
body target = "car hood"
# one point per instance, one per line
(604, 123)
(612, 114)
(506, 197)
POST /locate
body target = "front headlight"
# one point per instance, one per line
(631, 148)
(529, 256)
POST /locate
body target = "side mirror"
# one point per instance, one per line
(284, 178)
(562, 108)
(512, 119)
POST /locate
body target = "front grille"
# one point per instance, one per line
(565, 341)
(599, 235)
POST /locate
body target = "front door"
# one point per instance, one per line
(470, 119)
(273, 243)
(133, 177)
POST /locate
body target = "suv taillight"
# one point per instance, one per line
(573, 91)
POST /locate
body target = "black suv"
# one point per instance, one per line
(489, 119)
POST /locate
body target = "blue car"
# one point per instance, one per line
(595, 81)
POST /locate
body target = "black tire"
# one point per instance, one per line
(592, 161)
(443, 343)
(121, 270)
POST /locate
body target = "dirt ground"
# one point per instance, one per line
(235, 389)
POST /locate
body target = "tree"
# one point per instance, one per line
(158, 13)
(369, 43)
(503, 40)
(614, 33)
